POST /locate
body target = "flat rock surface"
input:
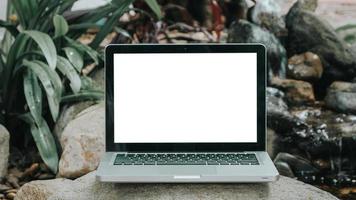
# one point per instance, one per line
(87, 188)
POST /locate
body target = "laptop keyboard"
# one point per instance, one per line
(186, 159)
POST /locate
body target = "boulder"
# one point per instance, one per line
(87, 188)
(279, 119)
(297, 92)
(341, 96)
(308, 32)
(82, 141)
(308, 5)
(326, 134)
(4, 150)
(306, 67)
(243, 31)
(268, 15)
(68, 113)
(288, 164)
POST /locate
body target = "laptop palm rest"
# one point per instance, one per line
(187, 171)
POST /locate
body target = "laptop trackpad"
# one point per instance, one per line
(187, 170)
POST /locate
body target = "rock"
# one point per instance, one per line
(68, 113)
(12, 180)
(96, 81)
(10, 195)
(4, 188)
(271, 137)
(246, 32)
(341, 96)
(29, 171)
(297, 92)
(284, 169)
(279, 119)
(98, 76)
(326, 135)
(83, 142)
(87, 188)
(267, 14)
(297, 164)
(307, 32)
(4, 150)
(306, 67)
(308, 5)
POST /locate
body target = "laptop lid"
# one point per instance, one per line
(186, 98)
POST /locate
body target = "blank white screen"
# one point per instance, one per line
(191, 98)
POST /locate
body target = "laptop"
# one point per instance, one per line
(186, 114)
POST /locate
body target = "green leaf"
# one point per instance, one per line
(6, 44)
(350, 38)
(33, 95)
(74, 57)
(10, 27)
(52, 95)
(123, 32)
(26, 11)
(2, 67)
(122, 6)
(60, 26)
(85, 49)
(15, 51)
(84, 96)
(21, 12)
(68, 70)
(52, 74)
(66, 5)
(87, 83)
(83, 26)
(44, 141)
(346, 27)
(46, 45)
(155, 7)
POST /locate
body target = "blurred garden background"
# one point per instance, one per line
(52, 79)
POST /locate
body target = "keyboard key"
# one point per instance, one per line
(186, 159)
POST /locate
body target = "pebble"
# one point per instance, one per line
(4, 188)
(353, 190)
(11, 191)
(10, 196)
(345, 191)
(13, 180)
(31, 170)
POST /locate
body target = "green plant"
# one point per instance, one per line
(42, 59)
(348, 33)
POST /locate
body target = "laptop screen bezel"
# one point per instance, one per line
(260, 145)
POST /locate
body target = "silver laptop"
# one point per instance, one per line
(186, 113)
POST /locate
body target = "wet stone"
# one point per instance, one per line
(341, 96)
(243, 31)
(306, 66)
(297, 92)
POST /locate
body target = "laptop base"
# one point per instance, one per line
(264, 172)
